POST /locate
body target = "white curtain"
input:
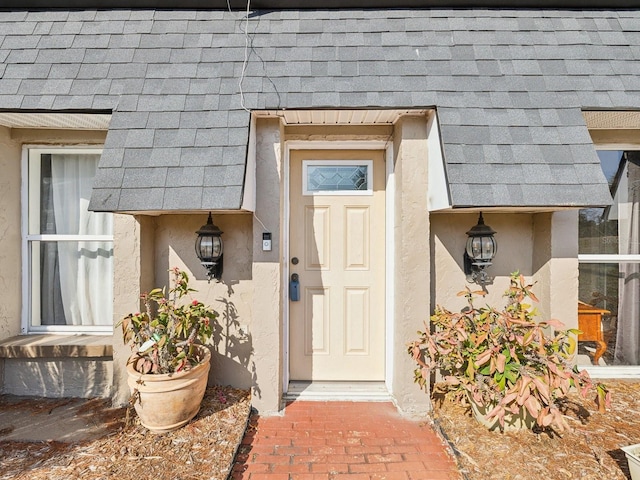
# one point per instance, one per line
(627, 350)
(86, 267)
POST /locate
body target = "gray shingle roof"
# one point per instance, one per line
(508, 86)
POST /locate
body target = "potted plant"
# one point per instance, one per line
(169, 366)
(504, 362)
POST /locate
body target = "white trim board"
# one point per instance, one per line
(338, 391)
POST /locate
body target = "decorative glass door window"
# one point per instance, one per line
(68, 250)
(609, 256)
(337, 177)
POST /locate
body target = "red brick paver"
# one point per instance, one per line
(335, 440)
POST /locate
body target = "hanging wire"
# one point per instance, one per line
(246, 54)
(260, 222)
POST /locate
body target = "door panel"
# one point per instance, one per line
(357, 238)
(337, 232)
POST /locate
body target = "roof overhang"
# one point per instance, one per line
(352, 117)
(73, 121)
(612, 119)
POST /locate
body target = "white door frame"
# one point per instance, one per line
(387, 147)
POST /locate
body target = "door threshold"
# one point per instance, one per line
(337, 391)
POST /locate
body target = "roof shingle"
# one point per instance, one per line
(508, 86)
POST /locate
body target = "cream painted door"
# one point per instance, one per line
(337, 233)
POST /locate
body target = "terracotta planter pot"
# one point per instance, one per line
(168, 401)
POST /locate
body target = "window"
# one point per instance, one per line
(67, 250)
(337, 177)
(609, 254)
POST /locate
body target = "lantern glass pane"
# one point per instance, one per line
(474, 247)
(209, 248)
(216, 247)
(488, 248)
(481, 248)
(205, 247)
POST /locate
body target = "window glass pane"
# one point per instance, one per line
(75, 283)
(337, 178)
(614, 288)
(65, 189)
(70, 280)
(599, 226)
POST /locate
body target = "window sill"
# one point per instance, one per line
(57, 346)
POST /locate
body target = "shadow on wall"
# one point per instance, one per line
(57, 378)
(231, 362)
(514, 237)
(238, 249)
(231, 344)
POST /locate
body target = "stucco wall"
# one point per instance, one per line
(515, 243)
(411, 257)
(133, 274)
(555, 253)
(232, 297)
(267, 328)
(59, 377)
(147, 247)
(10, 243)
(541, 246)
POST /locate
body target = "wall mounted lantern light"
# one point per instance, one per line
(209, 249)
(480, 250)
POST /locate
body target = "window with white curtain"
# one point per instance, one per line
(68, 250)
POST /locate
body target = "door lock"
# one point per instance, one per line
(294, 288)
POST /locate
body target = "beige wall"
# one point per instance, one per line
(10, 237)
(58, 377)
(411, 257)
(147, 247)
(232, 297)
(542, 246)
(267, 328)
(133, 269)
(555, 254)
(515, 242)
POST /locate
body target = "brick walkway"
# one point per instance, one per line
(332, 440)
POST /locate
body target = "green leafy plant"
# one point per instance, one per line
(503, 360)
(164, 337)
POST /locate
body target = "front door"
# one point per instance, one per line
(337, 250)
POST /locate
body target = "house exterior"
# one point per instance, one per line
(364, 141)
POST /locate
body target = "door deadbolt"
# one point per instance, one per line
(295, 260)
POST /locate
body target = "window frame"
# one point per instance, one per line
(611, 371)
(29, 154)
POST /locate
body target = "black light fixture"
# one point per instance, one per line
(480, 250)
(209, 249)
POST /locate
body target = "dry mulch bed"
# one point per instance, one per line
(203, 449)
(590, 450)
